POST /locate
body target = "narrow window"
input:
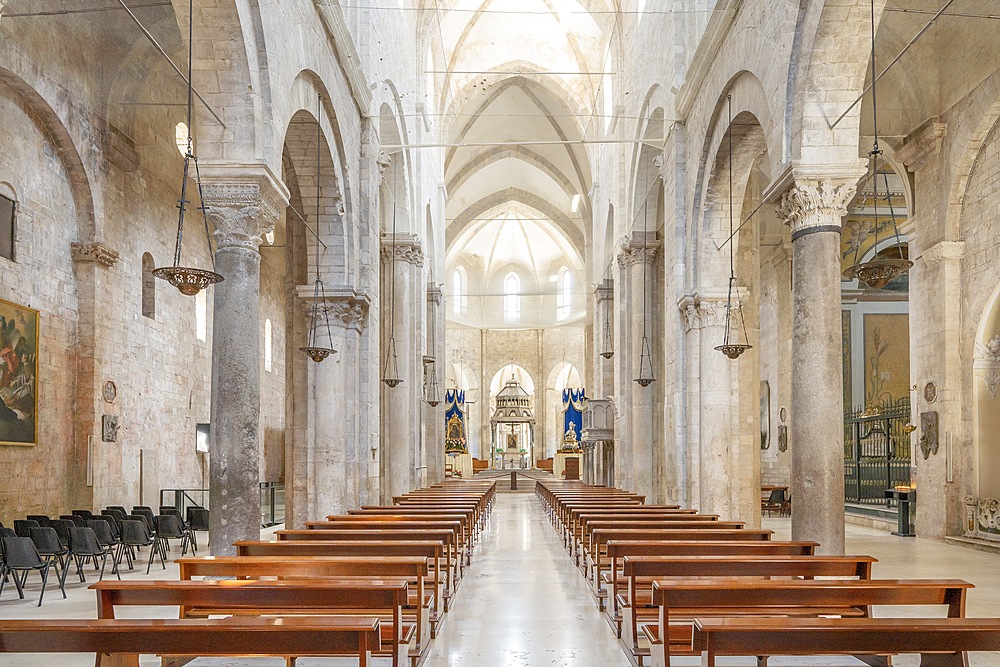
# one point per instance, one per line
(7, 212)
(564, 294)
(512, 297)
(201, 315)
(458, 290)
(148, 287)
(267, 345)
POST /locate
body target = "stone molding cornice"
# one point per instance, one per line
(347, 307)
(404, 247)
(817, 204)
(639, 248)
(94, 252)
(922, 144)
(243, 202)
(943, 252)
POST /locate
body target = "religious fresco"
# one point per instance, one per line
(887, 358)
(18, 373)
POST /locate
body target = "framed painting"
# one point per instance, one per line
(18, 374)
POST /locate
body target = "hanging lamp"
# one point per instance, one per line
(608, 343)
(390, 370)
(646, 376)
(432, 390)
(313, 349)
(877, 272)
(189, 280)
(731, 347)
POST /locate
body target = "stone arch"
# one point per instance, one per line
(986, 386)
(396, 178)
(827, 41)
(50, 124)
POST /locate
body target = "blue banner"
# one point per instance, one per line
(573, 400)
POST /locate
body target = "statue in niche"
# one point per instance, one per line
(570, 437)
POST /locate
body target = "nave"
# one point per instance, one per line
(523, 603)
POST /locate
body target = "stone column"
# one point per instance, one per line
(243, 204)
(400, 418)
(604, 372)
(433, 415)
(636, 259)
(815, 209)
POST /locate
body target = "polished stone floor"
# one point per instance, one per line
(523, 604)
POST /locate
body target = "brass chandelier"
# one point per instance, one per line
(390, 370)
(189, 280)
(877, 272)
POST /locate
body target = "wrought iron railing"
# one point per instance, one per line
(876, 452)
(272, 501)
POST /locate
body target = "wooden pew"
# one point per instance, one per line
(942, 642)
(463, 538)
(635, 603)
(447, 536)
(600, 537)
(700, 598)
(433, 551)
(312, 567)
(576, 515)
(120, 642)
(336, 597)
(616, 550)
(591, 522)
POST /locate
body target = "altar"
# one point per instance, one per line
(461, 465)
(513, 460)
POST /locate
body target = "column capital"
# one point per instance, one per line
(943, 252)
(404, 247)
(93, 252)
(816, 205)
(243, 201)
(347, 306)
(434, 294)
(639, 248)
(604, 290)
(706, 308)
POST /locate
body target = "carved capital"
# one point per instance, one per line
(345, 306)
(707, 308)
(242, 202)
(604, 291)
(660, 163)
(403, 248)
(640, 248)
(434, 294)
(816, 205)
(94, 252)
(383, 161)
(943, 251)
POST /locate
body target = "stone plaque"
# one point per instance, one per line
(109, 428)
(928, 433)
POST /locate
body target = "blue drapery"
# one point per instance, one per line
(573, 400)
(454, 420)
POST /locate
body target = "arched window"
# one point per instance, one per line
(459, 291)
(564, 293)
(201, 315)
(608, 85)
(148, 287)
(267, 345)
(511, 297)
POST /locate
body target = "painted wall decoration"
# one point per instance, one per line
(887, 358)
(573, 401)
(845, 317)
(18, 374)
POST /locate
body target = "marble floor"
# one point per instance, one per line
(523, 603)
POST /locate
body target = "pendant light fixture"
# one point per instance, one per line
(646, 377)
(877, 272)
(432, 389)
(390, 370)
(731, 347)
(313, 349)
(189, 280)
(608, 342)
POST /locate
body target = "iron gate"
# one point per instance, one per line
(876, 452)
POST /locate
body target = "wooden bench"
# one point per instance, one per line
(120, 642)
(698, 598)
(606, 572)
(383, 598)
(599, 538)
(942, 642)
(429, 549)
(577, 515)
(451, 568)
(312, 567)
(590, 523)
(545, 464)
(479, 465)
(635, 603)
(463, 539)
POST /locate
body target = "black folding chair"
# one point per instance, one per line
(83, 546)
(20, 555)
